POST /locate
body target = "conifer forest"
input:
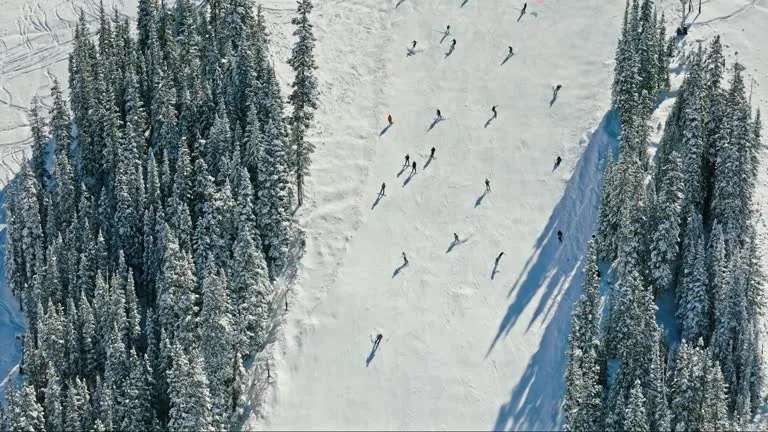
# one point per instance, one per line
(147, 230)
(678, 226)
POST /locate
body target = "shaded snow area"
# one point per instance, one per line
(469, 342)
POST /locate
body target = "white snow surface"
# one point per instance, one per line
(465, 347)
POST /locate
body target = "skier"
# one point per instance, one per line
(560, 236)
(447, 29)
(389, 118)
(493, 108)
(414, 45)
(557, 89)
(377, 341)
(455, 238)
(511, 52)
(487, 185)
(439, 115)
(557, 161)
(405, 259)
(525, 6)
(432, 153)
(413, 170)
(407, 158)
(499, 257)
(598, 273)
(453, 44)
(383, 186)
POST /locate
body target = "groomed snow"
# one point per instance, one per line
(463, 348)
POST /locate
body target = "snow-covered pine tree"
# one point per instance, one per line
(304, 96)
(583, 405)
(217, 346)
(692, 292)
(30, 415)
(190, 399)
(665, 244)
(635, 414)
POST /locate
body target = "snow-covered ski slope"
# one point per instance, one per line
(467, 344)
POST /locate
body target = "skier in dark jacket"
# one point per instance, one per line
(455, 238)
(525, 6)
(439, 114)
(487, 185)
(560, 236)
(377, 341)
(413, 168)
(557, 161)
(407, 159)
(389, 118)
(414, 45)
(511, 51)
(447, 29)
(453, 43)
(557, 89)
(432, 153)
(405, 259)
(493, 108)
(499, 257)
(383, 186)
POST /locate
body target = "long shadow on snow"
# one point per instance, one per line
(535, 400)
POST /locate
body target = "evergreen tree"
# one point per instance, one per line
(304, 96)
(218, 342)
(635, 416)
(666, 235)
(584, 393)
(692, 293)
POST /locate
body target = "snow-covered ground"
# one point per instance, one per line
(467, 344)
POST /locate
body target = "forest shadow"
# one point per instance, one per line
(534, 402)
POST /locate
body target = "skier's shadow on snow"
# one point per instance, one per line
(386, 128)
(553, 100)
(553, 276)
(506, 59)
(429, 161)
(522, 12)
(479, 199)
(495, 269)
(490, 120)
(399, 269)
(450, 51)
(445, 35)
(408, 179)
(464, 3)
(456, 243)
(378, 198)
(372, 354)
(411, 52)
(402, 170)
(399, 3)
(434, 123)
